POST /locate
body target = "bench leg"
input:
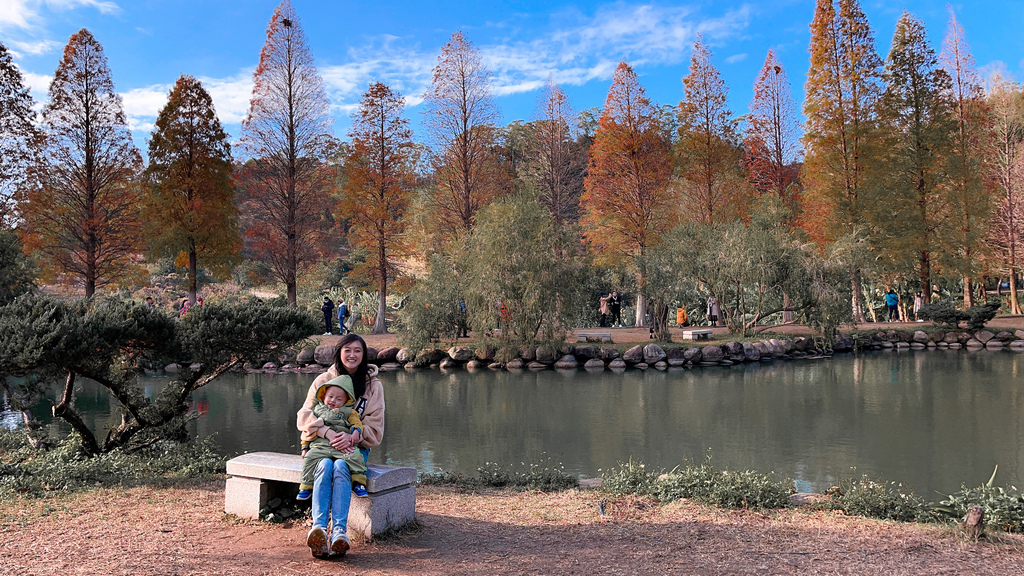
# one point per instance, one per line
(245, 497)
(381, 512)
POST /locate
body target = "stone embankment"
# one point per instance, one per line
(596, 357)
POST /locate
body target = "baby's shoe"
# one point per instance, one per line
(359, 490)
(304, 494)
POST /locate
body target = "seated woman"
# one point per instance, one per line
(332, 485)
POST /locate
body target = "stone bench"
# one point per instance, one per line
(704, 334)
(586, 336)
(258, 477)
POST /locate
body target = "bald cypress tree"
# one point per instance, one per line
(842, 91)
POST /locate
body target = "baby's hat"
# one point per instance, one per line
(343, 382)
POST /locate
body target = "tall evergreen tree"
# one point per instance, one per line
(18, 134)
(842, 89)
(190, 212)
(287, 136)
(707, 147)
(82, 216)
(971, 195)
(910, 222)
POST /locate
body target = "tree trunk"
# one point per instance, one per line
(64, 411)
(1014, 302)
(857, 310)
(787, 314)
(641, 311)
(967, 292)
(192, 283)
(380, 325)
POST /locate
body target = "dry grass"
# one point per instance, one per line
(182, 530)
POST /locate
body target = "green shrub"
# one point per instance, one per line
(543, 475)
(69, 467)
(880, 499)
(942, 313)
(701, 483)
(977, 316)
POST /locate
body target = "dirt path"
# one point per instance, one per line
(183, 530)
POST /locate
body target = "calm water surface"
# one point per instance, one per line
(930, 419)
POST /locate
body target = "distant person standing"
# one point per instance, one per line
(918, 302)
(893, 301)
(343, 314)
(714, 311)
(681, 318)
(328, 309)
(604, 309)
(615, 307)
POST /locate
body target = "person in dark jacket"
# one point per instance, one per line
(328, 309)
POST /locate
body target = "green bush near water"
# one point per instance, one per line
(68, 467)
(544, 475)
(701, 483)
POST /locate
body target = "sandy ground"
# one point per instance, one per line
(183, 530)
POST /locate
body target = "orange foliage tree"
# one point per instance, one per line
(627, 204)
(708, 155)
(378, 184)
(287, 136)
(842, 89)
(82, 215)
(460, 116)
(190, 210)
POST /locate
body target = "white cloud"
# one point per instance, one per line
(230, 99)
(735, 58)
(38, 84)
(27, 18)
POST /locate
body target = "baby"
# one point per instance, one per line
(335, 406)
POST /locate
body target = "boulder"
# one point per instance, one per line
(641, 366)
(585, 353)
(535, 365)
(269, 367)
(595, 364)
(428, 357)
(1017, 345)
(917, 346)
(963, 337)
(888, 345)
(1019, 334)
(675, 356)
(324, 354)
(305, 356)
(750, 352)
(920, 336)
(974, 344)
(983, 336)
(843, 343)
(460, 354)
(654, 354)
(485, 354)
(546, 355)
(634, 355)
(950, 338)
(567, 362)
(617, 364)
(1004, 336)
(387, 355)
(371, 354)
(693, 355)
(732, 348)
(783, 346)
(287, 357)
(802, 344)
(567, 349)
(994, 345)
(390, 367)
(762, 348)
(447, 363)
(608, 354)
(661, 365)
(475, 364)
(528, 353)
(496, 366)
(403, 356)
(712, 354)
(515, 364)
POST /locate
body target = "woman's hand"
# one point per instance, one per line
(340, 441)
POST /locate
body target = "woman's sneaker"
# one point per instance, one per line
(360, 490)
(317, 541)
(304, 494)
(339, 545)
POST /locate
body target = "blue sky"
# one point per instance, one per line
(149, 43)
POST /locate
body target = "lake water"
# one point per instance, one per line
(929, 419)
